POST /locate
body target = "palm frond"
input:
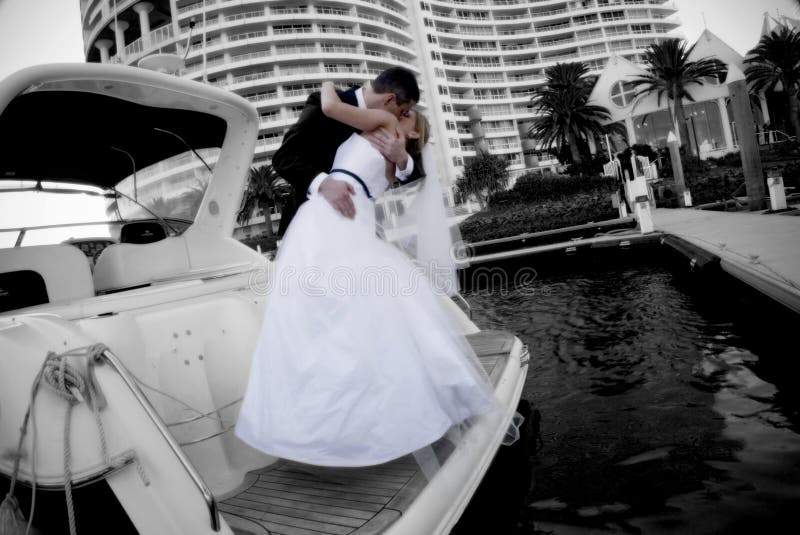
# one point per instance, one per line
(263, 187)
(775, 60)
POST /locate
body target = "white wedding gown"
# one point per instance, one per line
(357, 362)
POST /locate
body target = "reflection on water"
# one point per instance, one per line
(668, 399)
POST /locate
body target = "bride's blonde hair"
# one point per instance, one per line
(414, 146)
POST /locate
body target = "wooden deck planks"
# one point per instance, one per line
(293, 499)
(309, 490)
(315, 507)
(245, 502)
(317, 484)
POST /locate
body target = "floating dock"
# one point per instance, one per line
(762, 250)
(569, 240)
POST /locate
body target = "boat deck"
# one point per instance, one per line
(289, 498)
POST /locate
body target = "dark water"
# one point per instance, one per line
(669, 399)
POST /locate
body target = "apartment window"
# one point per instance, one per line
(442, 90)
(487, 77)
(480, 45)
(429, 23)
(432, 39)
(590, 34)
(489, 93)
(613, 15)
(644, 43)
(599, 48)
(425, 6)
(454, 143)
(586, 19)
(436, 56)
(291, 28)
(451, 125)
(447, 108)
(439, 72)
(596, 64)
(485, 61)
(458, 161)
(620, 45)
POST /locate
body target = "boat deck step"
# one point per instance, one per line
(288, 498)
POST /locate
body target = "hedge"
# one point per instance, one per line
(534, 188)
(520, 218)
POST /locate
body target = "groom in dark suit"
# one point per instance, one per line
(309, 146)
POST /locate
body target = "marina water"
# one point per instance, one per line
(668, 397)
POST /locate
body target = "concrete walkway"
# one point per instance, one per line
(759, 249)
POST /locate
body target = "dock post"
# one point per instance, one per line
(777, 193)
(641, 204)
(677, 170)
(746, 132)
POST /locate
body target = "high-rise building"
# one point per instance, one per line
(486, 54)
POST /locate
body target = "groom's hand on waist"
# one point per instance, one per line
(339, 194)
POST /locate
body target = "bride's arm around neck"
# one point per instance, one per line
(364, 119)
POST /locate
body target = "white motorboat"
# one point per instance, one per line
(159, 308)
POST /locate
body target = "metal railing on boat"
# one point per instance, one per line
(129, 380)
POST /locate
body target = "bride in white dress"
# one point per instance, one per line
(357, 363)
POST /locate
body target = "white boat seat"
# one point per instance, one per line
(40, 274)
(128, 265)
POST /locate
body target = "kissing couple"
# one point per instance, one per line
(361, 377)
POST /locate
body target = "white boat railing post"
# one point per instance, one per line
(129, 380)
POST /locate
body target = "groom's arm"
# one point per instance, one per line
(294, 160)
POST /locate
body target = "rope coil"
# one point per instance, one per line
(74, 387)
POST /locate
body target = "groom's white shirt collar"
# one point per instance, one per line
(360, 98)
(401, 175)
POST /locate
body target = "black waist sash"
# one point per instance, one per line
(353, 175)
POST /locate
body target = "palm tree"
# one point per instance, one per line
(563, 75)
(670, 73)
(264, 190)
(564, 114)
(774, 64)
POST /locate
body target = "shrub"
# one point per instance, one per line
(641, 150)
(592, 165)
(733, 159)
(531, 188)
(714, 188)
(535, 217)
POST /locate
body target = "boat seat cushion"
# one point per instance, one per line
(63, 270)
(128, 265)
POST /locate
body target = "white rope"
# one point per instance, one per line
(67, 382)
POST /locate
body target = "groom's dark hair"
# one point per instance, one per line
(399, 81)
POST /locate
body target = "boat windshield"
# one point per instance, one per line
(44, 212)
